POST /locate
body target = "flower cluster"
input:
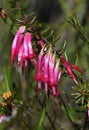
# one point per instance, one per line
(50, 69)
(22, 47)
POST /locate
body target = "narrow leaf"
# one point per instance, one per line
(41, 119)
(6, 80)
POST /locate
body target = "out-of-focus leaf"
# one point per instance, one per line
(6, 80)
(41, 120)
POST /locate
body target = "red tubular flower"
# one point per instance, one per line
(76, 68)
(15, 41)
(67, 65)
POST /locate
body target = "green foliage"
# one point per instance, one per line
(74, 22)
(81, 95)
(6, 80)
(27, 99)
(41, 120)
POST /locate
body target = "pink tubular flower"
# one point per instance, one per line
(19, 43)
(54, 92)
(48, 71)
(46, 67)
(45, 76)
(20, 54)
(41, 43)
(25, 47)
(57, 76)
(28, 39)
(38, 76)
(67, 65)
(15, 41)
(51, 70)
(56, 72)
(22, 48)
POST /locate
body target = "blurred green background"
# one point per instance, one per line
(53, 13)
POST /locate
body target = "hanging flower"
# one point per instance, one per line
(38, 76)
(17, 41)
(47, 71)
(22, 48)
(45, 76)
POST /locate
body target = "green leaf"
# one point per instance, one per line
(41, 119)
(72, 113)
(6, 79)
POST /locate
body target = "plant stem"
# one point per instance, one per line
(46, 113)
(85, 122)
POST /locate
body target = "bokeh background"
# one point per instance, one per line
(53, 13)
